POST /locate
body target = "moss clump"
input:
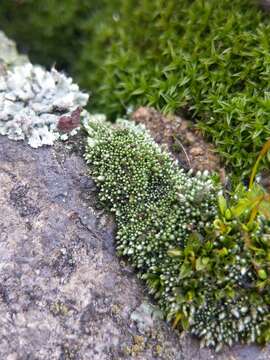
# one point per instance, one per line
(208, 270)
(230, 302)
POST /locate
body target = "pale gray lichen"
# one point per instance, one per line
(145, 316)
(8, 52)
(34, 100)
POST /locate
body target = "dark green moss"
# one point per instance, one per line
(208, 58)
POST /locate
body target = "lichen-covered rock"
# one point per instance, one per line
(36, 105)
(33, 101)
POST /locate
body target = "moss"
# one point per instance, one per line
(206, 266)
(208, 59)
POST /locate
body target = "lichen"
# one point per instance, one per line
(8, 52)
(36, 105)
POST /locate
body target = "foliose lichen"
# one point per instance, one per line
(211, 282)
(36, 105)
(8, 52)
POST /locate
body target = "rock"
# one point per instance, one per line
(63, 291)
(60, 279)
(145, 315)
(265, 4)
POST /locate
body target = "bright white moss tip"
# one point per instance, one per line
(39, 106)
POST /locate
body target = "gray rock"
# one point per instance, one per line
(145, 315)
(63, 292)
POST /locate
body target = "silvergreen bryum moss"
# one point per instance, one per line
(207, 280)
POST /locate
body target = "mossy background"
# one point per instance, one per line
(206, 59)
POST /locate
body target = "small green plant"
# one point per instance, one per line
(204, 260)
(252, 202)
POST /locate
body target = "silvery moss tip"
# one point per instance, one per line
(39, 106)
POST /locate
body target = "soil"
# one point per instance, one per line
(181, 138)
(186, 143)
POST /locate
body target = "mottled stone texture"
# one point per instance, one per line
(63, 292)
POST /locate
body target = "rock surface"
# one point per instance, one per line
(64, 294)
